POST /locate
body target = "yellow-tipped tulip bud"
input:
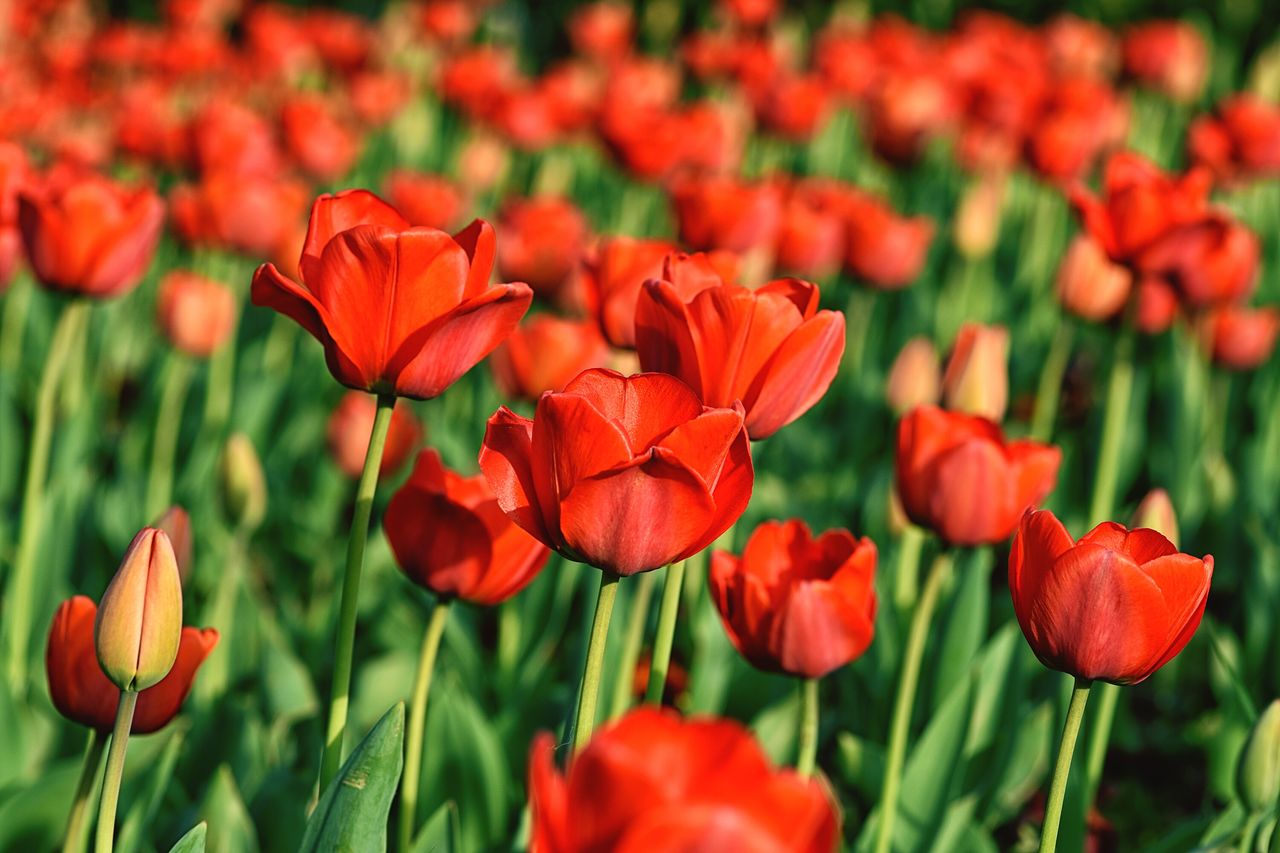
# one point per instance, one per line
(139, 622)
(1156, 512)
(977, 377)
(915, 378)
(1258, 775)
(244, 487)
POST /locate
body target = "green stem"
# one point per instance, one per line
(73, 840)
(660, 661)
(1049, 391)
(418, 721)
(115, 771)
(807, 753)
(1119, 389)
(165, 442)
(17, 304)
(344, 638)
(901, 726)
(20, 605)
(1058, 790)
(585, 720)
(637, 619)
(907, 576)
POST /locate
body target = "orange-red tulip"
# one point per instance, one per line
(1210, 262)
(810, 238)
(721, 212)
(602, 30)
(915, 378)
(654, 781)
(13, 175)
(1243, 338)
(613, 275)
(626, 474)
(545, 354)
(426, 200)
(351, 425)
(1170, 56)
(251, 214)
(196, 314)
(399, 309)
(883, 249)
(977, 378)
(1157, 305)
(957, 475)
(83, 694)
(541, 241)
(318, 140)
(1241, 140)
(1090, 284)
(1115, 606)
(227, 136)
(795, 604)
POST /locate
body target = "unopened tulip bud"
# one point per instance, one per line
(1156, 513)
(1258, 775)
(176, 523)
(139, 621)
(977, 223)
(915, 378)
(244, 487)
(977, 378)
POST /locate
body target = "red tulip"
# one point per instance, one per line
(727, 213)
(771, 349)
(977, 377)
(613, 275)
(1115, 606)
(602, 30)
(1243, 338)
(431, 201)
(1090, 284)
(1157, 305)
(1082, 49)
(449, 21)
(87, 235)
(795, 604)
(197, 314)
(545, 354)
(251, 214)
(795, 107)
(83, 694)
(1241, 140)
(654, 781)
(226, 136)
(399, 309)
(541, 241)
(351, 425)
(1170, 56)
(320, 142)
(810, 238)
(883, 249)
(449, 536)
(1209, 262)
(958, 475)
(627, 474)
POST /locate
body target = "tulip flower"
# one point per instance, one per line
(545, 354)
(197, 314)
(351, 424)
(707, 785)
(427, 294)
(254, 215)
(1170, 56)
(1210, 262)
(771, 348)
(726, 213)
(1090, 284)
(317, 139)
(810, 238)
(976, 381)
(542, 240)
(1240, 140)
(1258, 771)
(229, 137)
(612, 277)
(602, 30)
(1155, 512)
(883, 249)
(1157, 305)
(1243, 338)
(13, 175)
(426, 200)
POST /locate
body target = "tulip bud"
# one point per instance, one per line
(915, 378)
(976, 381)
(977, 223)
(139, 622)
(176, 523)
(1090, 284)
(244, 487)
(1258, 775)
(1155, 512)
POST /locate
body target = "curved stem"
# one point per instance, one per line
(19, 603)
(344, 638)
(637, 619)
(1049, 390)
(73, 838)
(585, 720)
(115, 771)
(417, 722)
(165, 442)
(807, 753)
(901, 726)
(1061, 770)
(660, 661)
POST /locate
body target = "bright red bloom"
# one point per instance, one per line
(771, 348)
(751, 13)
(1115, 606)
(542, 241)
(197, 314)
(449, 21)
(83, 694)
(810, 239)
(545, 354)
(882, 248)
(427, 200)
(226, 136)
(88, 235)
(1170, 56)
(450, 536)
(1242, 138)
(251, 214)
(795, 604)
(1080, 48)
(399, 309)
(351, 425)
(320, 142)
(722, 212)
(626, 474)
(908, 107)
(654, 781)
(1081, 119)
(1243, 338)
(613, 275)
(1157, 305)
(378, 96)
(795, 106)
(1210, 262)
(602, 30)
(1090, 284)
(957, 475)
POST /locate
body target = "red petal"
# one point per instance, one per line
(797, 375)
(505, 459)
(333, 214)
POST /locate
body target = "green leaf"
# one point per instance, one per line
(442, 832)
(224, 809)
(33, 818)
(146, 802)
(861, 764)
(966, 625)
(775, 727)
(193, 841)
(352, 813)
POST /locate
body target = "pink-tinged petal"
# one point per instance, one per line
(972, 502)
(819, 632)
(703, 443)
(436, 356)
(331, 214)
(1184, 581)
(1041, 539)
(646, 406)
(1145, 545)
(505, 460)
(797, 376)
(480, 245)
(664, 336)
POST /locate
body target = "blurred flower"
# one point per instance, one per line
(449, 21)
(706, 785)
(1115, 606)
(541, 241)
(377, 97)
(1240, 140)
(626, 474)
(475, 80)
(1081, 119)
(351, 425)
(13, 176)
(1090, 284)
(83, 694)
(176, 524)
(139, 621)
(196, 314)
(250, 214)
(795, 604)
(722, 212)
(243, 483)
(612, 277)
(915, 378)
(883, 249)
(960, 477)
(771, 348)
(482, 161)
(227, 136)
(905, 109)
(1170, 56)
(545, 354)
(1243, 338)
(673, 689)
(427, 295)
(1078, 48)
(750, 13)
(810, 237)
(324, 146)
(432, 201)
(602, 30)
(1155, 512)
(1208, 262)
(450, 537)
(977, 221)
(795, 106)
(1157, 305)
(1258, 773)
(976, 381)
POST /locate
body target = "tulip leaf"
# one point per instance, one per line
(352, 812)
(966, 625)
(442, 832)
(32, 817)
(861, 763)
(146, 802)
(224, 809)
(775, 727)
(464, 748)
(193, 841)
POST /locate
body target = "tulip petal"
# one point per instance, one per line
(159, 704)
(731, 493)
(439, 544)
(663, 334)
(505, 459)
(122, 258)
(1034, 468)
(1184, 581)
(573, 440)
(646, 406)
(1041, 539)
(703, 443)
(796, 376)
(972, 502)
(1145, 545)
(480, 245)
(331, 214)
(548, 799)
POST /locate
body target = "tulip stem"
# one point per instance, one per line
(807, 753)
(1115, 416)
(74, 838)
(901, 725)
(165, 441)
(417, 722)
(660, 661)
(1049, 391)
(115, 771)
(1058, 789)
(585, 720)
(907, 577)
(637, 620)
(344, 639)
(20, 605)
